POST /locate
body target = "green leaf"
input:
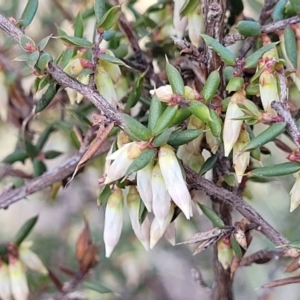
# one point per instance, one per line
(43, 43)
(47, 97)
(165, 120)
(3, 249)
(66, 57)
(179, 138)
(212, 216)
(104, 194)
(136, 92)
(33, 58)
(276, 170)
(31, 150)
(74, 139)
(279, 10)
(44, 60)
(97, 286)
(39, 168)
(17, 155)
(44, 136)
(109, 35)
(188, 7)
(141, 161)
(236, 247)
(211, 85)
(216, 124)
(208, 165)
(174, 78)
(76, 41)
(110, 18)
(235, 84)
(22, 57)
(181, 115)
(249, 28)
(51, 154)
(29, 12)
(27, 44)
(290, 45)
(99, 8)
(112, 59)
(266, 136)
(252, 60)
(78, 26)
(155, 112)
(226, 56)
(163, 138)
(135, 129)
(80, 116)
(200, 110)
(25, 230)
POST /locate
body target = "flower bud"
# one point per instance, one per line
(295, 194)
(232, 128)
(30, 259)
(18, 280)
(163, 93)
(105, 86)
(74, 67)
(173, 178)
(178, 22)
(225, 252)
(144, 178)
(5, 292)
(113, 221)
(161, 200)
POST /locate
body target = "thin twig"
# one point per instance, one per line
(260, 257)
(199, 183)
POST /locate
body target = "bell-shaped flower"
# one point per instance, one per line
(123, 158)
(113, 221)
(105, 86)
(163, 93)
(161, 200)
(112, 69)
(225, 252)
(232, 127)
(143, 179)
(156, 231)
(30, 259)
(268, 89)
(18, 280)
(241, 160)
(170, 233)
(195, 26)
(122, 88)
(178, 22)
(133, 201)
(74, 67)
(173, 178)
(295, 194)
(5, 291)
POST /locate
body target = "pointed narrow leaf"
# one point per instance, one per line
(76, 41)
(78, 26)
(175, 79)
(17, 155)
(47, 97)
(208, 165)
(200, 110)
(179, 138)
(135, 129)
(277, 170)
(290, 45)
(212, 216)
(43, 43)
(227, 56)
(39, 168)
(181, 115)
(216, 124)
(44, 60)
(189, 7)
(43, 138)
(110, 18)
(163, 138)
(112, 59)
(136, 92)
(236, 247)
(29, 12)
(155, 112)
(165, 120)
(99, 8)
(211, 85)
(33, 58)
(25, 230)
(104, 194)
(252, 60)
(266, 136)
(141, 161)
(51, 154)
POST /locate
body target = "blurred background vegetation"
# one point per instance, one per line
(165, 272)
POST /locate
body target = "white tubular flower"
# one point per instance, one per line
(178, 22)
(105, 86)
(184, 154)
(142, 231)
(194, 145)
(163, 93)
(123, 158)
(18, 280)
(72, 94)
(295, 194)
(156, 231)
(121, 88)
(268, 90)
(232, 128)
(30, 259)
(170, 233)
(161, 201)
(144, 178)
(241, 161)
(174, 181)
(113, 221)
(196, 26)
(5, 292)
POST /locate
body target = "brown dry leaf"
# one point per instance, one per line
(90, 258)
(83, 241)
(240, 237)
(100, 138)
(282, 146)
(293, 266)
(206, 244)
(280, 282)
